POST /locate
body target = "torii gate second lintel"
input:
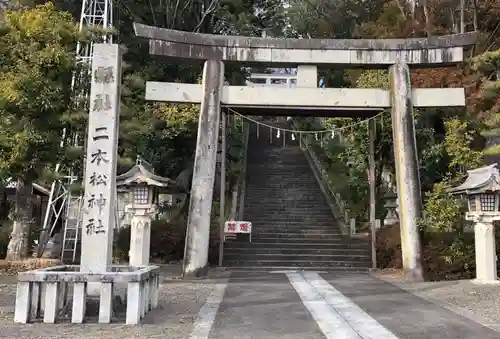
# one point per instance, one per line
(395, 54)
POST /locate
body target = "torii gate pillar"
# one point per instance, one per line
(407, 169)
(195, 262)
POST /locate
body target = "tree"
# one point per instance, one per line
(36, 66)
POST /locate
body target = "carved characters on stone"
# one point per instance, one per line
(94, 226)
(101, 102)
(98, 201)
(97, 192)
(139, 225)
(100, 133)
(99, 156)
(104, 75)
(98, 179)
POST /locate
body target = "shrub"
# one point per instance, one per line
(167, 242)
(5, 231)
(445, 255)
(443, 212)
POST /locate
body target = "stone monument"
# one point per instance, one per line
(44, 292)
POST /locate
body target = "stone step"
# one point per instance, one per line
(310, 235)
(292, 224)
(267, 229)
(299, 240)
(300, 224)
(300, 204)
(280, 173)
(279, 182)
(286, 195)
(294, 268)
(282, 194)
(272, 166)
(263, 230)
(349, 244)
(285, 210)
(297, 263)
(266, 200)
(298, 250)
(293, 227)
(281, 170)
(284, 220)
(261, 188)
(281, 208)
(254, 206)
(297, 227)
(347, 257)
(284, 216)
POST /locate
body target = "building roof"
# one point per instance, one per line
(143, 173)
(37, 187)
(480, 180)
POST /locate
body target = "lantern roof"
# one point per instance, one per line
(143, 173)
(480, 180)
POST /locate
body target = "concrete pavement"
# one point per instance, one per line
(261, 305)
(334, 306)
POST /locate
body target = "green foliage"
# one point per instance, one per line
(36, 66)
(457, 144)
(373, 79)
(488, 67)
(350, 156)
(488, 63)
(443, 212)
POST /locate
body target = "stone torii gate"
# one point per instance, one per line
(305, 100)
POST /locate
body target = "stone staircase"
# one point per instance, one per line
(293, 226)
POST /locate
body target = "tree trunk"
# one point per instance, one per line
(462, 16)
(474, 15)
(18, 244)
(427, 18)
(453, 21)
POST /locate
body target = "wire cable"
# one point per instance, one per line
(306, 131)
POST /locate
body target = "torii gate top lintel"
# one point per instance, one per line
(369, 53)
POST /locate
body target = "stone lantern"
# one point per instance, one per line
(482, 190)
(391, 205)
(143, 187)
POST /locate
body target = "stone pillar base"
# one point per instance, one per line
(140, 233)
(486, 259)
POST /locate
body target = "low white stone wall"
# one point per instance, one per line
(43, 293)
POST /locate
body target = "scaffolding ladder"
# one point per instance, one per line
(72, 236)
(71, 244)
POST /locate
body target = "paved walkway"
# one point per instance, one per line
(311, 305)
(261, 305)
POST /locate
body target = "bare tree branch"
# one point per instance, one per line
(152, 12)
(208, 11)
